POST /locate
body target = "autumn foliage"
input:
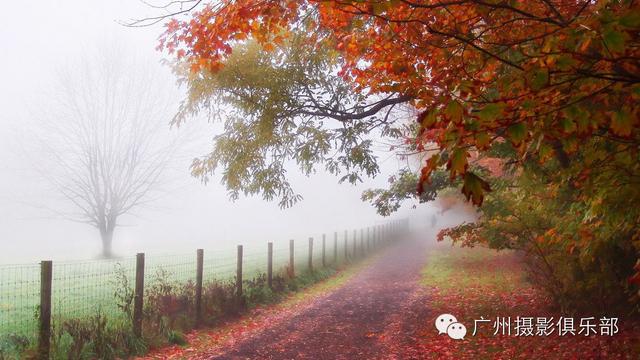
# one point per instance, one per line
(551, 88)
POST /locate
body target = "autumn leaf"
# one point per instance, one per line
(425, 172)
(458, 163)
(491, 112)
(621, 123)
(630, 20)
(517, 133)
(482, 140)
(474, 188)
(568, 126)
(545, 152)
(454, 111)
(427, 119)
(537, 78)
(614, 40)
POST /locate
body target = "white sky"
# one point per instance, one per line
(38, 37)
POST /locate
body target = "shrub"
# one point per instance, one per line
(256, 291)
(176, 338)
(94, 337)
(168, 312)
(218, 300)
(12, 345)
(579, 235)
(168, 306)
(123, 293)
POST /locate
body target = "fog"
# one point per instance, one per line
(37, 39)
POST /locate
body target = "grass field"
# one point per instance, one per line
(81, 288)
(480, 282)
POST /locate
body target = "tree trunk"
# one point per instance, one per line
(107, 239)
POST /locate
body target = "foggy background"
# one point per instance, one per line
(37, 39)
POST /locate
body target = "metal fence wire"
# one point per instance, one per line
(218, 265)
(19, 299)
(81, 289)
(84, 288)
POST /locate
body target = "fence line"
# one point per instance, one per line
(33, 298)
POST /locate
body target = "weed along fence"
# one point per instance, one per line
(50, 306)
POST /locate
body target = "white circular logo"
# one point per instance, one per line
(443, 321)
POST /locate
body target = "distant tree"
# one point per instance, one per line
(102, 138)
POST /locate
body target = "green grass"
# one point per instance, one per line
(83, 288)
(456, 271)
(469, 267)
(480, 282)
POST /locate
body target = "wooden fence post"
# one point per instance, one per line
(375, 237)
(239, 275)
(44, 336)
(270, 264)
(335, 247)
(138, 295)
(199, 273)
(362, 242)
(346, 245)
(324, 263)
(292, 272)
(368, 240)
(310, 253)
(355, 243)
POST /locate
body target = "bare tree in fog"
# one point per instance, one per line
(103, 136)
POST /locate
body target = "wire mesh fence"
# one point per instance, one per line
(84, 288)
(170, 269)
(280, 257)
(254, 262)
(81, 289)
(19, 299)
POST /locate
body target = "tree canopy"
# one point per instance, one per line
(548, 87)
(280, 107)
(543, 74)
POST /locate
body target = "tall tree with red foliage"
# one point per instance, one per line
(555, 81)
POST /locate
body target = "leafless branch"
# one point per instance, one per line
(103, 140)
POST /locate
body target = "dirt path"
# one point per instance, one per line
(381, 305)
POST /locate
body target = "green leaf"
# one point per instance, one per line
(565, 62)
(568, 125)
(630, 20)
(482, 140)
(491, 112)
(545, 152)
(454, 111)
(474, 188)
(517, 133)
(537, 78)
(457, 164)
(614, 40)
(576, 119)
(621, 123)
